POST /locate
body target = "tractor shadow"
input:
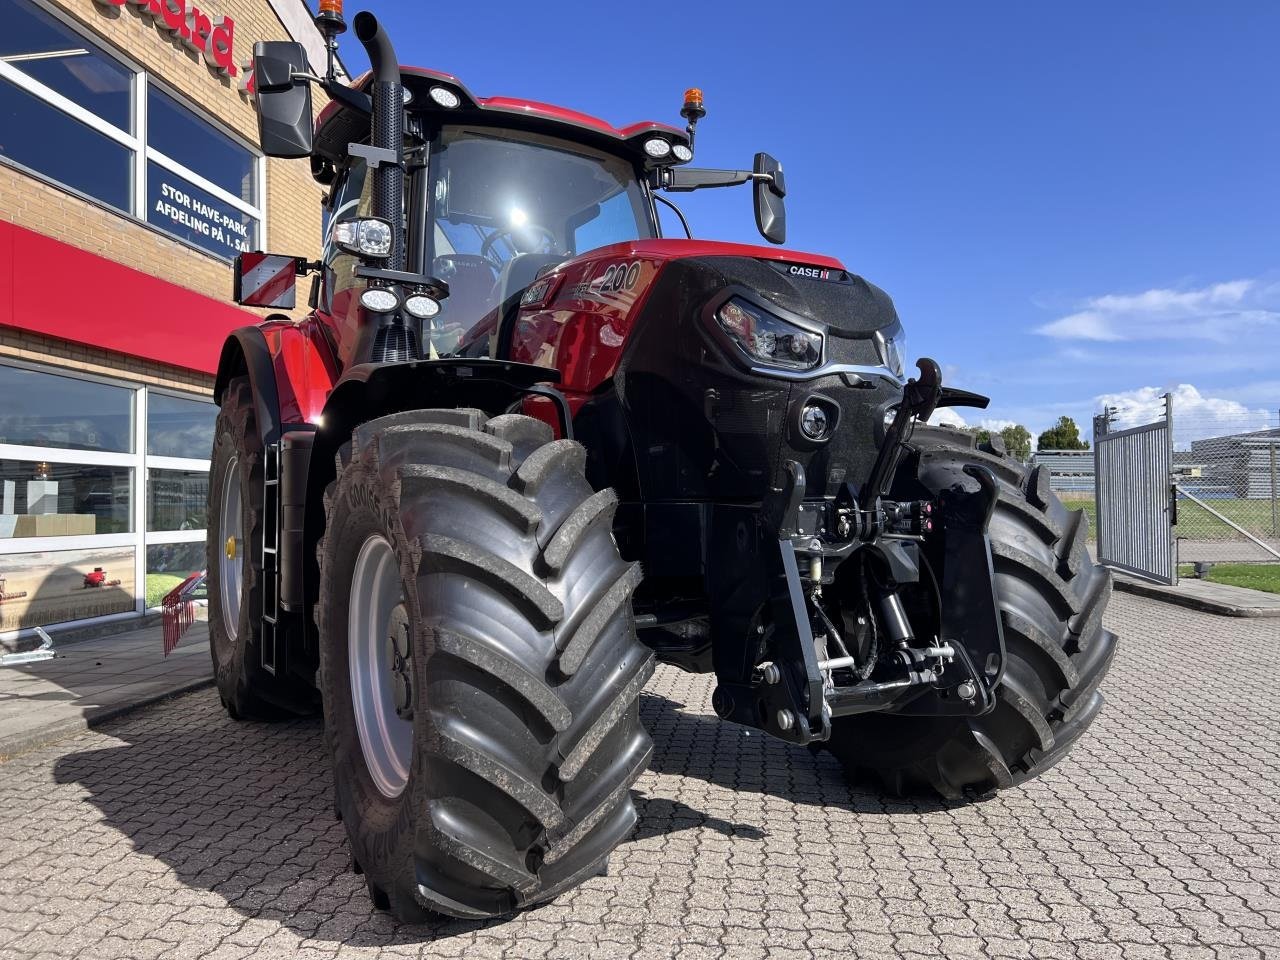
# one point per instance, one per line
(739, 759)
(244, 811)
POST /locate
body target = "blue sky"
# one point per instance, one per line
(1067, 201)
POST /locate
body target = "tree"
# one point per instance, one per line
(1017, 440)
(1063, 435)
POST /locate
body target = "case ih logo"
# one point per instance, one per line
(814, 273)
(191, 27)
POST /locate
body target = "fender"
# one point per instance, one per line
(369, 390)
(290, 365)
(246, 351)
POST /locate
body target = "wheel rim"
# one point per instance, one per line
(379, 651)
(231, 549)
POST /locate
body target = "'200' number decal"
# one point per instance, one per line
(619, 276)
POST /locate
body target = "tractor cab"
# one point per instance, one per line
(496, 206)
(496, 192)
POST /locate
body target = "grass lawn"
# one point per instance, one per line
(158, 584)
(1256, 576)
(1194, 522)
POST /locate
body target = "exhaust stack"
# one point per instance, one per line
(388, 130)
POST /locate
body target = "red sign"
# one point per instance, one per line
(132, 312)
(191, 27)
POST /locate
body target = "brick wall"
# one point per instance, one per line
(22, 345)
(292, 201)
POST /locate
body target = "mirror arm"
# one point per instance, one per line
(347, 96)
(684, 179)
(337, 90)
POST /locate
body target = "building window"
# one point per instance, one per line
(43, 49)
(167, 566)
(53, 586)
(109, 132)
(47, 499)
(64, 149)
(46, 410)
(177, 206)
(97, 475)
(177, 499)
(178, 427)
(190, 143)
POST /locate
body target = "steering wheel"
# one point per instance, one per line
(486, 248)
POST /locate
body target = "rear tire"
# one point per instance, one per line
(234, 582)
(523, 674)
(1051, 597)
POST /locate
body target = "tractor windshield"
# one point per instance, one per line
(507, 204)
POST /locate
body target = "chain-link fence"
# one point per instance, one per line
(1226, 467)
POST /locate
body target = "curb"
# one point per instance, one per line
(94, 631)
(1168, 595)
(17, 744)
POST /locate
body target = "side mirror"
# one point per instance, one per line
(266, 280)
(285, 124)
(771, 212)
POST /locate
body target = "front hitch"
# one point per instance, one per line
(783, 679)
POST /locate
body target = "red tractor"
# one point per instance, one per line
(6, 596)
(523, 447)
(97, 578)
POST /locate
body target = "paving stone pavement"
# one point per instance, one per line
(176, 833)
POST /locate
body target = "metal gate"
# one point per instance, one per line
(1133, 487)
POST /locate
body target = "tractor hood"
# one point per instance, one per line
(584, 315)
(811, 286)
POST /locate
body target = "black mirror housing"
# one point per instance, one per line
(285, 124)
(770, 188)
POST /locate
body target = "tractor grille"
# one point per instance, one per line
(394, 344)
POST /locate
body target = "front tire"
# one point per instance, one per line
(1051, 597)
(481, 687)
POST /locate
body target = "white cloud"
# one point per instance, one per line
(947, 417)
(995, 425)
(1222, 312)
(1195, 416)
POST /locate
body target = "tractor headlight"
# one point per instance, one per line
(766, 339)
(366, 236)
(657, 148)
(445, 97)
(379, 300)
(893, 350)
(421, 306)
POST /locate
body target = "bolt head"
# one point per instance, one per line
(786, 720)
(403, 694)
(967, 690)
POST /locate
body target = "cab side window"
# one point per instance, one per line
(352, 197)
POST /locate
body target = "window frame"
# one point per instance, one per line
(136, 141)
